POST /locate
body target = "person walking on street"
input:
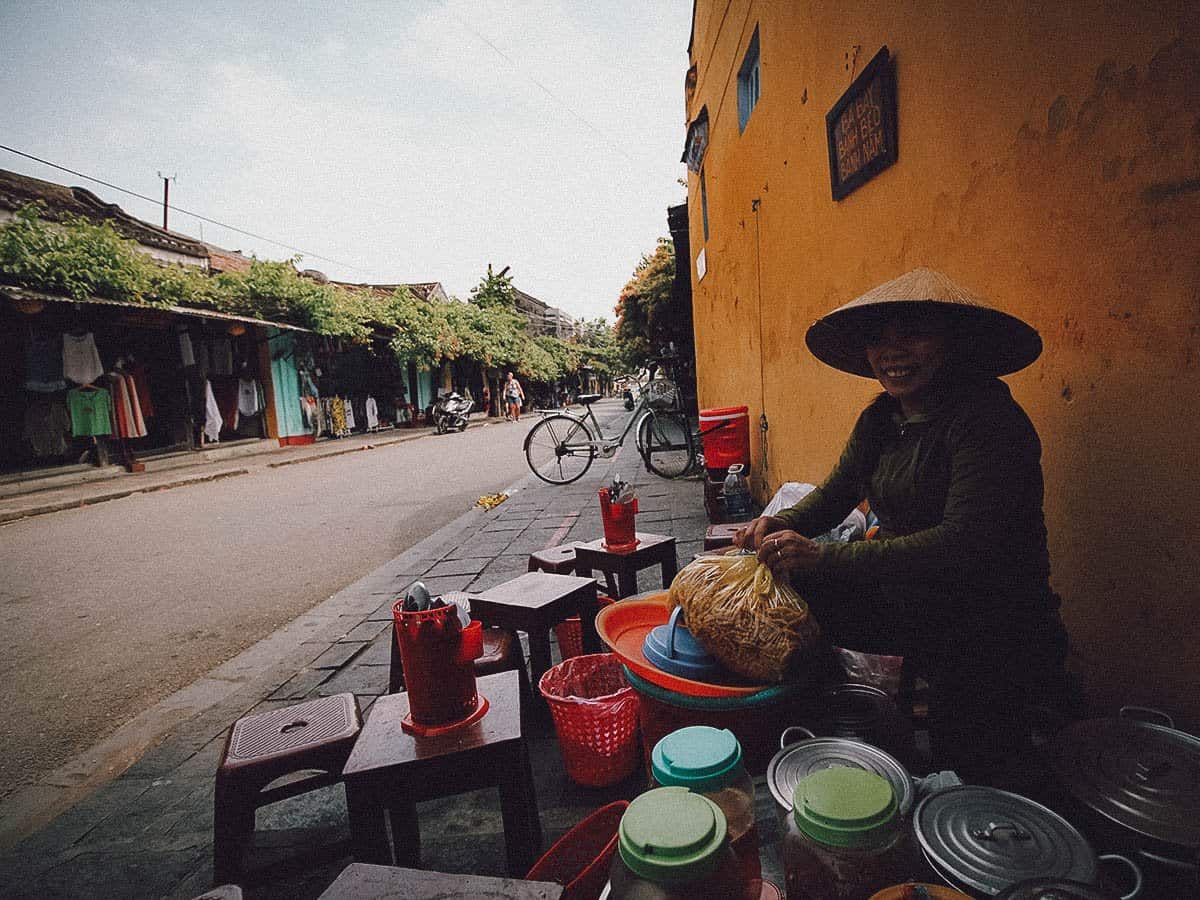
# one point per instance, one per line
(514, 397)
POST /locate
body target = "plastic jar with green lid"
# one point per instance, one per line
(844, 838)
(672, 845)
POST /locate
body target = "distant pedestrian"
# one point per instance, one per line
(514, 397)
(487, 399)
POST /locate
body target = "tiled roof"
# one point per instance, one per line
(18, 190)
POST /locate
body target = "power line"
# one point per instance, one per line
(156, 202)
(545, 89)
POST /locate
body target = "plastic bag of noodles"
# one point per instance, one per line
(756, 626)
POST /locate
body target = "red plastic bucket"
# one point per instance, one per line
(579, 860)
(596, 717)
(725, 435)
(439, 664)
(619, 530)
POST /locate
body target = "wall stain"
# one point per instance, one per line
(1057, 116)
(1165, 190)
(1067, 394)
(1111, 169)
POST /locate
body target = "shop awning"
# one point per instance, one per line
(26, 296)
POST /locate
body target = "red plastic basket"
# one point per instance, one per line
(596, 716)
(570, 634)
(579, 860)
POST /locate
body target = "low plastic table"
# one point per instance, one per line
(390, 771)
(360, 881)
(652, 550)
(534, 603)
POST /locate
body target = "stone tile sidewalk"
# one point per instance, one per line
(147, 830)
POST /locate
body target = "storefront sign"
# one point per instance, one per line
(861, 127)
(697, 141)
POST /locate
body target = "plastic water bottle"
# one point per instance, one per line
(737, 494)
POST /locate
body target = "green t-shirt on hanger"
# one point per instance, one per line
(90, 411)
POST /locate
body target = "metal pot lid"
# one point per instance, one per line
(1142, 776)
(987, 839)
(1054, 889)
(799, 760)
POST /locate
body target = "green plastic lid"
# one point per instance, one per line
(845, 807)
(672, 835)
(698, 757)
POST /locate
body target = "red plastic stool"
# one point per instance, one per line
(315, 735)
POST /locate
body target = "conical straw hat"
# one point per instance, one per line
(991, 342)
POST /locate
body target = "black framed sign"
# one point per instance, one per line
(861, 127)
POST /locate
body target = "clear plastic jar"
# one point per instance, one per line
(844, 838)
(708, 761)
(672, 845)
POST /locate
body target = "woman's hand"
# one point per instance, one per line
(786, 551)
(752, 536)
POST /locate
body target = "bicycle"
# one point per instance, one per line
(561, 447)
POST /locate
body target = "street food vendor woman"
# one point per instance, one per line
(957, 578)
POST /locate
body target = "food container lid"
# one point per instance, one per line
(985, 839)
(908, 892)
(843, 807)
(1143, 776)
(674, 649)
(852, 709)
(1054, 889)
(795, 762)
(698, 757)
(672, 835)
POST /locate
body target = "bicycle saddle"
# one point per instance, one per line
(585, 399)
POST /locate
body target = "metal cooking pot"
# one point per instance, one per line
(983, 840)
(796, 760)
(864, 713)
(1133, 785)
(1054, 889)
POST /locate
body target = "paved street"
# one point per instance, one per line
(146, 829)
(109, 608)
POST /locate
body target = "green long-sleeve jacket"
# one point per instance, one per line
(958, 493)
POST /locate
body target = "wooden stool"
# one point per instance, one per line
(558, 560)
(501, 653)
(534, 603)
(718, 536)
(652, 550)
(360, 881)
(317, 734)
(390, 771)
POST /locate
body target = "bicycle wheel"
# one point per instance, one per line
(557, 449)
(666, 442)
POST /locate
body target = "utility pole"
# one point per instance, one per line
(166, 180)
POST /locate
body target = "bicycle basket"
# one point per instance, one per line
(661, 394)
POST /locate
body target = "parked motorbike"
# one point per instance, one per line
(451, 412)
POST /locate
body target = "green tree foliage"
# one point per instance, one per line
(495, 290)
(648, 317)
(81, 259)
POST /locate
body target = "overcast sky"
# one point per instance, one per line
(408, 141)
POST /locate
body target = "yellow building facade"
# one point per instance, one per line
(1047, 158)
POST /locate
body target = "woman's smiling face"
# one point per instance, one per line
(906, 356)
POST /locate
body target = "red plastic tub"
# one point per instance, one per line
(579, 860)
(725, 434)
(570, 633)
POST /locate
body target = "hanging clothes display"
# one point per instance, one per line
(80, 359)
(47, 424)
(372, 414)
(337, 423)
(91, 411)
(212, 415)
(348, 406)
(187, 356)
(44, 356)
(248, 404)
(225, 389)
(221, 359)
(126, 411)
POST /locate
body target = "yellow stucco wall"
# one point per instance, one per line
(1049, 159)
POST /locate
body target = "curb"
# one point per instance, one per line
(18, 514)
